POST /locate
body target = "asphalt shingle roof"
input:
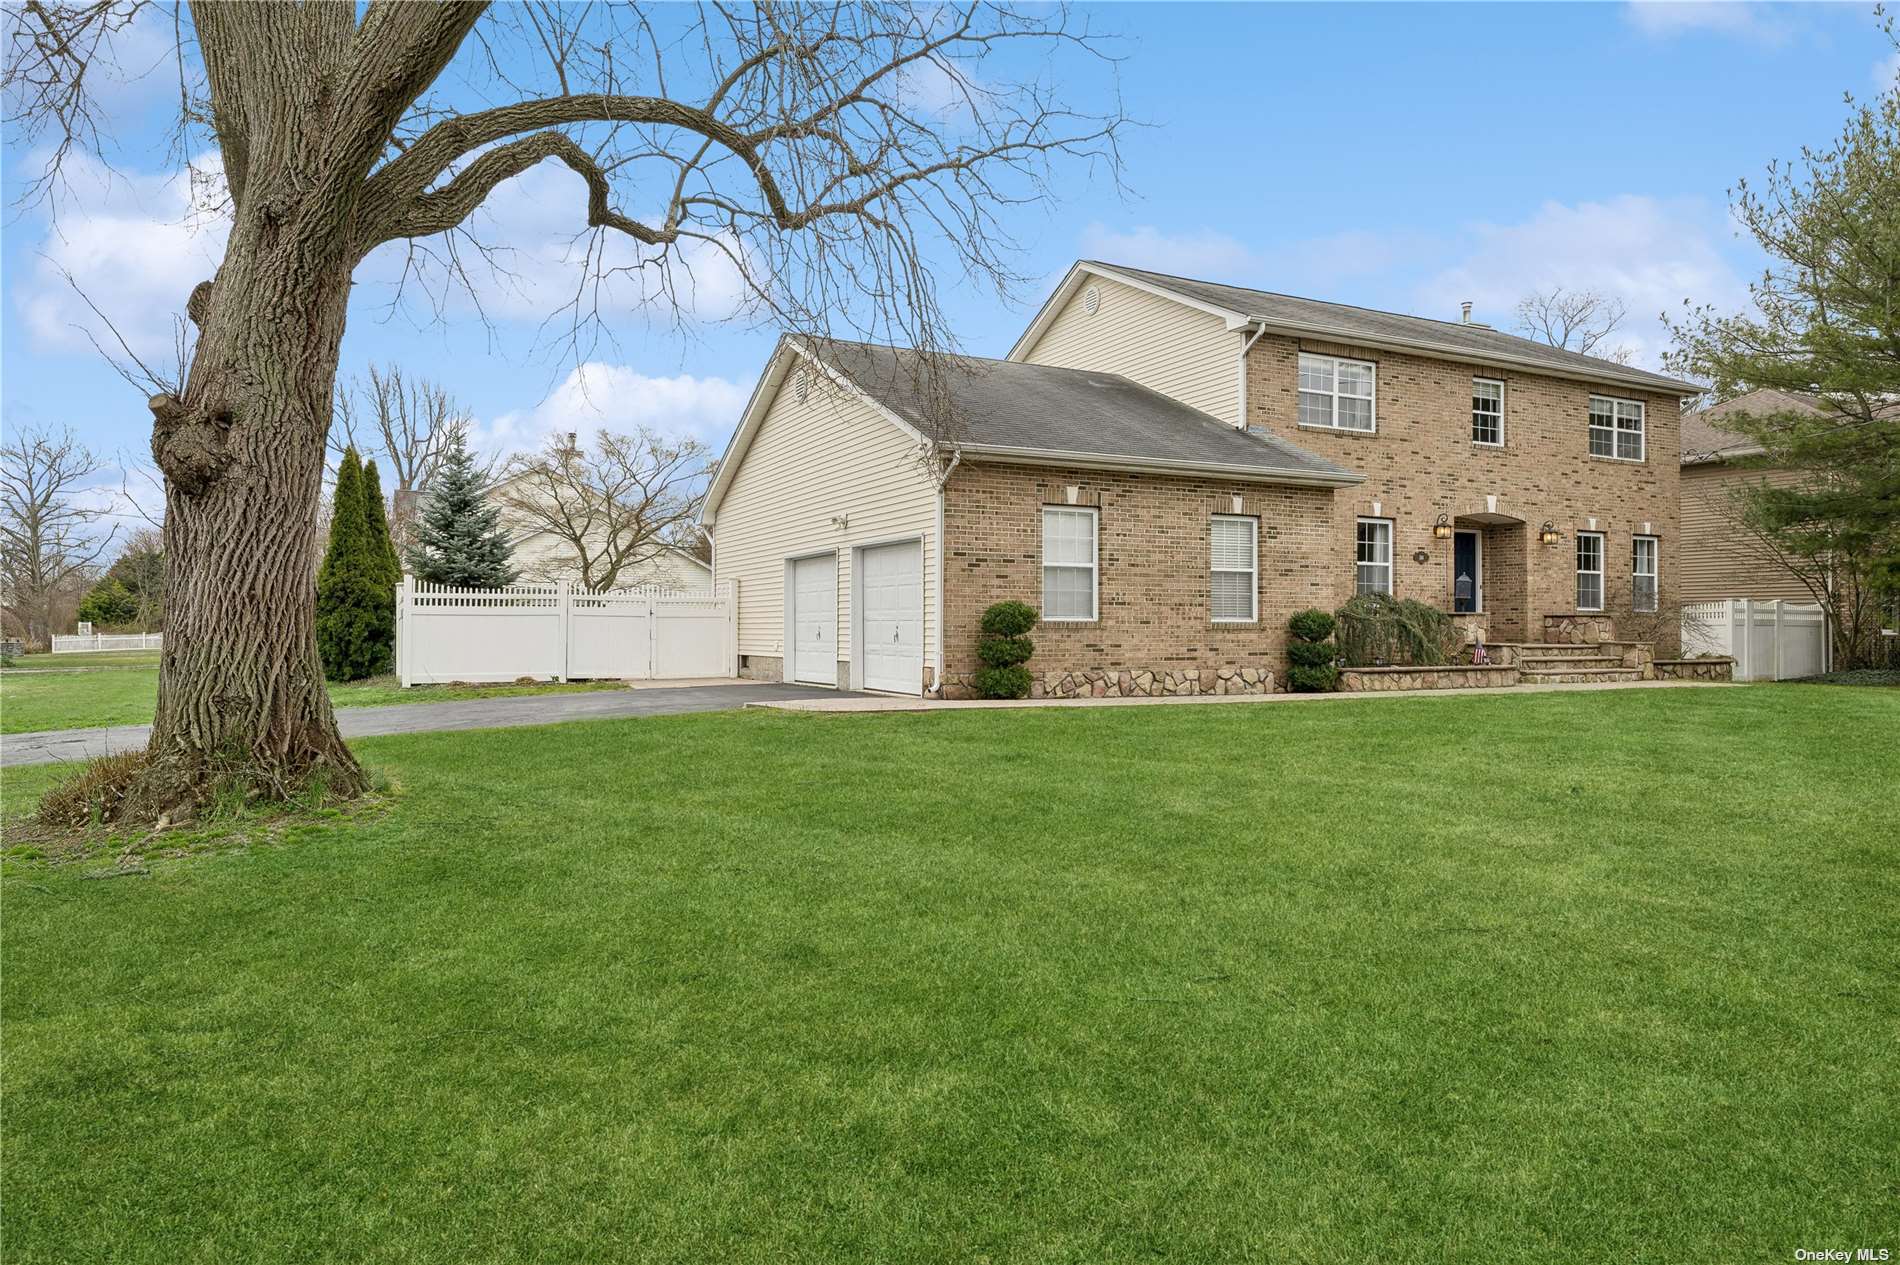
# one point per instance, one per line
(1042, 408)
(1476, 340)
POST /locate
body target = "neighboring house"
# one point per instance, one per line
(1721, 559)
(1167, 469)
(544, 556)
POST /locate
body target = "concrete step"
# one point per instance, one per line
(1565, 675)
(1559, 650)
(1569, 662)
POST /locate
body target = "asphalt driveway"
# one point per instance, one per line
(51, 745)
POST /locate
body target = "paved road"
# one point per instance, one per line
(409, 718)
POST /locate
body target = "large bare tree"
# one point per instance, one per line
(607, 509)
(1576, 320)
(404, 424)
(834, 157)
(50, 537)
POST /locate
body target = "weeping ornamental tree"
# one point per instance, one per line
(831, 160)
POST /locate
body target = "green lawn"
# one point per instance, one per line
(91, 659)
(1559, 977)
(126, 696)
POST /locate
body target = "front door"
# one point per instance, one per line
(1467, 573)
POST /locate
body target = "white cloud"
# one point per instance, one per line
(1200, 253)
(1887, 73)
(1650, 252)
(1744, 19)
(136, 245)
(597, 396)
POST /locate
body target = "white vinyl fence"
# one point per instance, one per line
(558, 632)
(89, 642)
(1769, 641)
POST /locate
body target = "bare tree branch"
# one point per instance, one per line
(48, 537)
(1576, 320)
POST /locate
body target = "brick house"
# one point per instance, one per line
(1167, 469)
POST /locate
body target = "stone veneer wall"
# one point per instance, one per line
(1453, 677)
(1155, 632)
(1581, 629)
(1695, 669)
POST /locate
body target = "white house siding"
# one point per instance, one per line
(1175, 349)
(833, 456)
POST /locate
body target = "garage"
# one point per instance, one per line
(891, 616)
(814, 619)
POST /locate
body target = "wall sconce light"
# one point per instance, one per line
(1549, 534)
(1441, 530)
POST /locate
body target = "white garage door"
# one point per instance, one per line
(815, 620)
(893, 618)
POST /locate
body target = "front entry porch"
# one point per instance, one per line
(1487, 576)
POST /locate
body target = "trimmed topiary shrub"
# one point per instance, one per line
(1011, 682)
(1311, 625)
(1310, 654)
(1004, 649)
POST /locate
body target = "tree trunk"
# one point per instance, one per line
(241, 691)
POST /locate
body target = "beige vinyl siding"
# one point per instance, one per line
(833, 456)
(1172, 348)
(1720, 560)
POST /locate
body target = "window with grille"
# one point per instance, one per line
(1643, 573)
(1068, 564)
(1337, 394)
(1616, 428)
(1487, 412)
(1375, 556)
(1589, 571)
(1234, 569)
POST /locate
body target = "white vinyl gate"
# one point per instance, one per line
(555, 632)
(1769, 641)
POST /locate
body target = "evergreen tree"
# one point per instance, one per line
(356, 610)
(378, 521)
(109, 605)
(459, 539)
(1825, 325)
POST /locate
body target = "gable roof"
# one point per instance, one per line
(1704, 438)
(1241, 307)
(1008, 411)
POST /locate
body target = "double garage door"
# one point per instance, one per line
(890, 618)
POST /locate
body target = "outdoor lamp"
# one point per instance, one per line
(1441, 529)
(1549, 534)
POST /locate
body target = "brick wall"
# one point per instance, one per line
(1154, 587)
(1422, 463)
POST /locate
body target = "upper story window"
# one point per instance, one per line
(1234, 568)
(1374, 572)
(1616, 428)
(1589, 571)
(1643, 571)
(1487, 412)
(1337, 394)
(1068, 564)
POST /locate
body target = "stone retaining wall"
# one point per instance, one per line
(1695, 669)
(1579, 629)
(1452, 677)
(1128, 683)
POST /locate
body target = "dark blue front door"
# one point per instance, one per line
(1465, 579)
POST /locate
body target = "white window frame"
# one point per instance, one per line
(1358, 566)
(1619, 411)
(1333, 396)
(1654, 574)
(1477, 382)
(1252, 571)
(1583, 570)
(1094, 567)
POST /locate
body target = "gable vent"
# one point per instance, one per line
(801, 386)
(1092, 300)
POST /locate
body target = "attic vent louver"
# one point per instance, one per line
(1091, 300)
(801, 386)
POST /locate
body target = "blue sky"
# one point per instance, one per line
(1397, 156)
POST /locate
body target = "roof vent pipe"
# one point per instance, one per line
(1465, 311)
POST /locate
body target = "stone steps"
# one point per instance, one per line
(1566, 674)
(1569, 662)
(1560, 650)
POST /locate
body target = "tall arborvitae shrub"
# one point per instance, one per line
(1004, 649)
(356, 611)
(377, 519)
(1310, 653)
(459, 539)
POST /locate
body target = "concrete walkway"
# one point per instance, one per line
(653, 699)
(831, 701)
